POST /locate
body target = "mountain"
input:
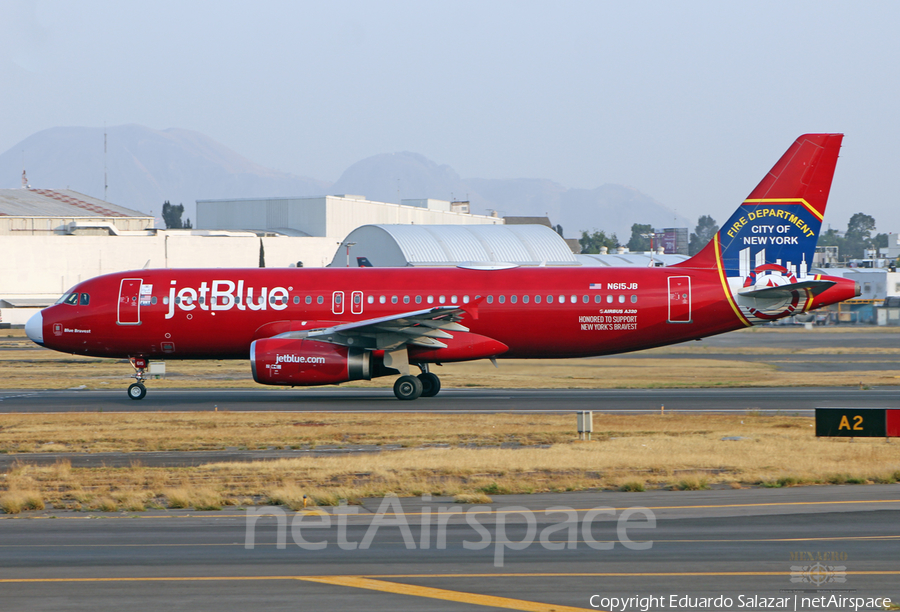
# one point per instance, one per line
(391, 177)
(612, 208)
(145, 167)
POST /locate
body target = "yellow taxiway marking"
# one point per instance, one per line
(360, 582)
(462, 510)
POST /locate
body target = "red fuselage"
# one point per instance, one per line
(536, 312)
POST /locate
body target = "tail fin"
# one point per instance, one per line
(779, 222)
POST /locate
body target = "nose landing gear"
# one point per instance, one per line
(137, 390)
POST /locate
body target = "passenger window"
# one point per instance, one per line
(609, 299)
(537, 299)
(573, 299)
(370, 299)
(431, 299)
(309, 299)
(598, 299)
(165, 299)
(465, 299)
(442, 299)
(549, 299)
(502, 299)
(237, 299)
(453, 299)
(524, 299)
(418, 299)
(634, 299)
(152, 300)
(393, 299)
(562, 299)
(621, 299)
(85, 299)
(320, 299)
(406, 299)
(381, 299)
(296, 299)
(513, 299)
(202, 299)
(585, 299)
(490, 299)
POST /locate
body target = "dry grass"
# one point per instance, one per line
(472, 498)
(37, 368)
(129, 432)
(629, 452)
(14, 502)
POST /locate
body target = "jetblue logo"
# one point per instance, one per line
(225, 295)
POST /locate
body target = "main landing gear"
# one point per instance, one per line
(411, 387)
(137, 390)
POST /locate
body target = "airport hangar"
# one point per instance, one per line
(52, 239)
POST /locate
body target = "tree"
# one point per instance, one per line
(591, 243)
(559, 230)
(262, 254)
(640, 237)
(858, 237)
(172, 216)
(703, 233)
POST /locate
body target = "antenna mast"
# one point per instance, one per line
(105, 182)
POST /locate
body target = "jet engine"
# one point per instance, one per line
(301, 362)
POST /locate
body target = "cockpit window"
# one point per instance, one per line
(72, 299)
(85, 299)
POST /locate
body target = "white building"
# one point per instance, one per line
(51, 240)
(328, 216)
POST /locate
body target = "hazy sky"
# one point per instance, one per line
(689, 102)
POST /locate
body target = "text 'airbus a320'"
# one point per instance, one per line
(302, 326)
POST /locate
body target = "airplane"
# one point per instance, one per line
(307, 326)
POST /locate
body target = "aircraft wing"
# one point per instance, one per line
(418, 327)
(784, 291)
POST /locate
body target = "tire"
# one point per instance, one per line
(431, 384)
(408, 388)
(137, 391)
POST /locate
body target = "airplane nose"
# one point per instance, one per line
(34, 328)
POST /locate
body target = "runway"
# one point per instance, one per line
(787, 400)
(514, 554)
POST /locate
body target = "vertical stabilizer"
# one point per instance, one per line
(779, 222)
(771, 238)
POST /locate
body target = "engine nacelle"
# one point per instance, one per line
(289, 361)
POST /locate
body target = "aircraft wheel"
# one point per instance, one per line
(137, 391)
(431, 384)
(408, 388)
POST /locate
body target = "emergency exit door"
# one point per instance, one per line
(129, 310)
(679, 299)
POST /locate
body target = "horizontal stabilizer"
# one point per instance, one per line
(785, 291)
